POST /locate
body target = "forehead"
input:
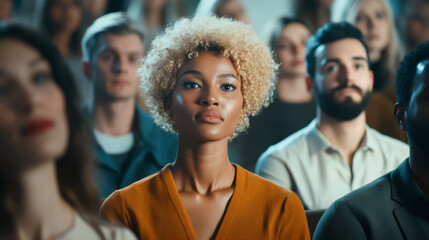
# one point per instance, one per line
(127, 42)
(371, 5)
(208, 62)
(294, 29)
(344, 49)
(15, 52)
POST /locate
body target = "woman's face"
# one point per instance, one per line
(66, 15)
(290, 49)
(233, 9)
(374, 24)
(207, 101)
(33, 125)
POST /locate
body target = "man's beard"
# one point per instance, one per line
(345, 110)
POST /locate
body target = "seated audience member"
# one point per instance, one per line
(129, 146)
(292, 95)
(203, 78)
(93, 9)
(46, 190)
(61, 21)
(337, 152)
(374, 18)
(6, 7)
(315, 12)
(412, 19)
(153, 15)
(233, 9)
(396, 205)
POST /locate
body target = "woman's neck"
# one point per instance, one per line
(293, 89)
(374, 56)
(153, 19)
(203, 167)
(43, 214)
(62, 41)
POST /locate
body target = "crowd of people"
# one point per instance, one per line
(174, 119)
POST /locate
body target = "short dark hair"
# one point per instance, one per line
(328, 33)
(280, 24)
(114, 23)
(407, 71)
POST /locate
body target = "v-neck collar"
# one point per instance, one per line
(231, 208)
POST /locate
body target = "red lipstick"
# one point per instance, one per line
(37, 126)
(209, 116)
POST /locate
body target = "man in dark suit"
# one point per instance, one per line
(395, 206)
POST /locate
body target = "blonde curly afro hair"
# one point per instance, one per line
(237, 41)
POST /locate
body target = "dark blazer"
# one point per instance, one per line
(153, 149)
(391, 207)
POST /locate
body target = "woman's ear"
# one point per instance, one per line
(399, 114)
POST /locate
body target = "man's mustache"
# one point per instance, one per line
(345, 86)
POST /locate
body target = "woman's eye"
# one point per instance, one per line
(379, 15)
(228, 87)
(41, 77)
(191, 85)
(359, 18)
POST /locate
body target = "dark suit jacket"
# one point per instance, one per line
(391, 207)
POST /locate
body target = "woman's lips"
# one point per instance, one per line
(209, 116)
(37, 126)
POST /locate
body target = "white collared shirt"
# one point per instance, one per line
(308, 164)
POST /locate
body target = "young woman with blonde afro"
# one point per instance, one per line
(202, 79)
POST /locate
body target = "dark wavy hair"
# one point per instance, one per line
(46, 24)
(407, 72)
(75, 167)
(328, 33)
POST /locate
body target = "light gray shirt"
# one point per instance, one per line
(308, 164)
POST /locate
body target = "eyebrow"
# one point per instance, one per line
(35, 61)
(337, 60)
(195, 72)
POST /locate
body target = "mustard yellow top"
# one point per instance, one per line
(258, 209)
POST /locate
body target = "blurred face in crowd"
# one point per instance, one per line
(207, 100)
(417, 113)
(233, 9)
(417, 24)
(342, 81)
(154, 5)
(114, 66)
(5, 9)
(66, 14)
(33, 123)
(372, 21)
(95, 7)
(290, 49)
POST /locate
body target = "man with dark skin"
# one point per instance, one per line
(396, 205)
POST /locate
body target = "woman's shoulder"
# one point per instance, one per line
(258, 185)
(114, 232)
(92, 228)
(145, 185)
